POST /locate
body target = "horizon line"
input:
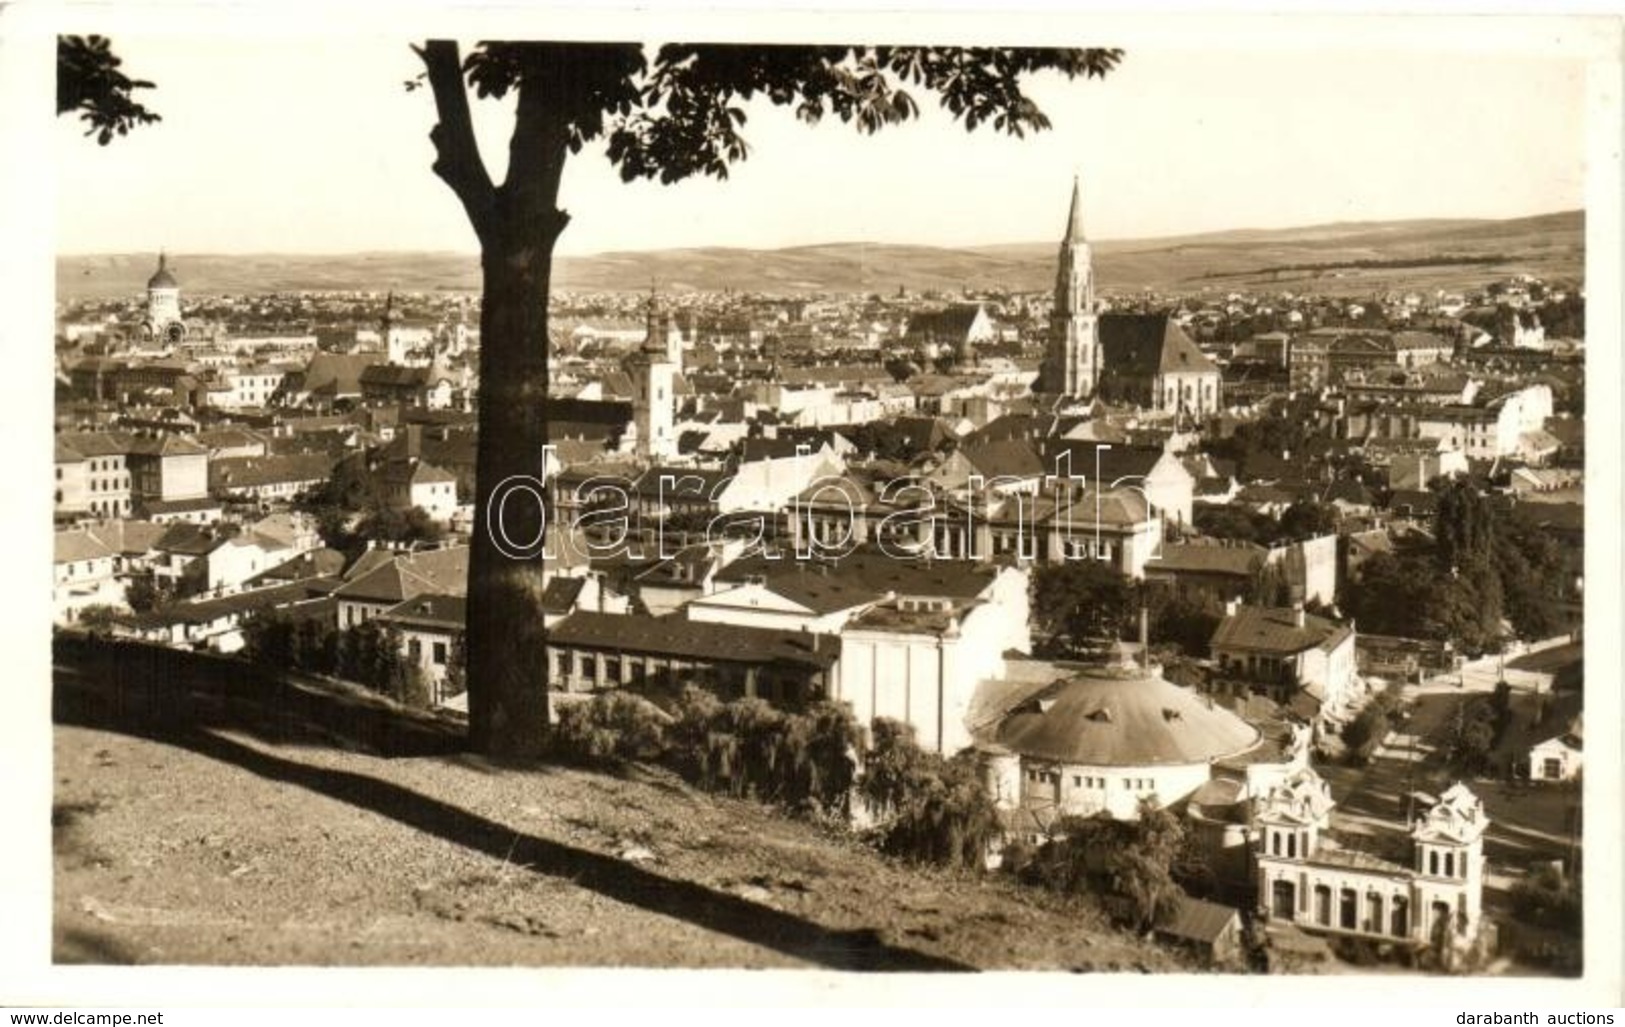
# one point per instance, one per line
(475, 253)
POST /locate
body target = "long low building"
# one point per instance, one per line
(589, 651)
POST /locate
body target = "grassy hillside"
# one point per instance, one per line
(1549, 245)
(204, 815)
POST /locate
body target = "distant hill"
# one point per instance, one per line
(1300, 259)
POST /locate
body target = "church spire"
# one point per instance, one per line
(1074, 217)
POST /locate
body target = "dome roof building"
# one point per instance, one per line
(1101, 738)
(163, 319)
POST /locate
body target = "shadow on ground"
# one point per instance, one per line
(180, 699)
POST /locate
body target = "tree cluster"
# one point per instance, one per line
(1134, 861)
(747, 748)
(1366, 731)
(1265, 438)
(1079, 604)
(1485, 567)
(1305, 518)
(930, 809)
(1551, 898)
(369, 654)
(1477, 730)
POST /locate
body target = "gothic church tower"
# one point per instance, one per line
(1072, 365)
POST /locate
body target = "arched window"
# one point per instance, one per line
(1433, 861)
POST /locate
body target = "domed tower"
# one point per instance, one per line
(164, 304)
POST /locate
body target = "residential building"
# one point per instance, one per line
(431, 626)
(1561, 756)
(1303, 661)
(382, 578)
(82, 576)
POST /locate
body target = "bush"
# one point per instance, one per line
(614, 727)
(803, 761)
(1132, 862)
(1548, 897)
(938, 809)
(1366, 731)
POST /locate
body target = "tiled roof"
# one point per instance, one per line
(96, 443)
(429, 610)
(679, 637)
(1235, 558)
(206, 610)
(1119, 508)
(1197, 920)
(878, 573)
(318, 563)
(239, 472)
(155, 507)
(560, 595)
(394, 376)
(952, 322)
(408, 575)
(165, 445)
(76, 546)
(129, 537)
(1276, 630)
(1011, 458)
(189, 540)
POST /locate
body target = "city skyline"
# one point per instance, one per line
(1464, 134)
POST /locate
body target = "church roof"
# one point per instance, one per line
(1148, 344)
(162, 279)
(951, 323)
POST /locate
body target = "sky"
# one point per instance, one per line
(312, 144)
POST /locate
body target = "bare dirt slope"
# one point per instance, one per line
(196, 822)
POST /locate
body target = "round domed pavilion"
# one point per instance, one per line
(1105, 737)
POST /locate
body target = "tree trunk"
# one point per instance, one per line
(518, 225)
(507, 654)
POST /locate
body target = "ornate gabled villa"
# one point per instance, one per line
(1307, 881)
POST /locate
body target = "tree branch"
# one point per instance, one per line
(457, 159)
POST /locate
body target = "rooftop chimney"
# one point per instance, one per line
(1297, 613)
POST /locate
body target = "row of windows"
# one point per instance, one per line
(1447, 866)
(1132, 784)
